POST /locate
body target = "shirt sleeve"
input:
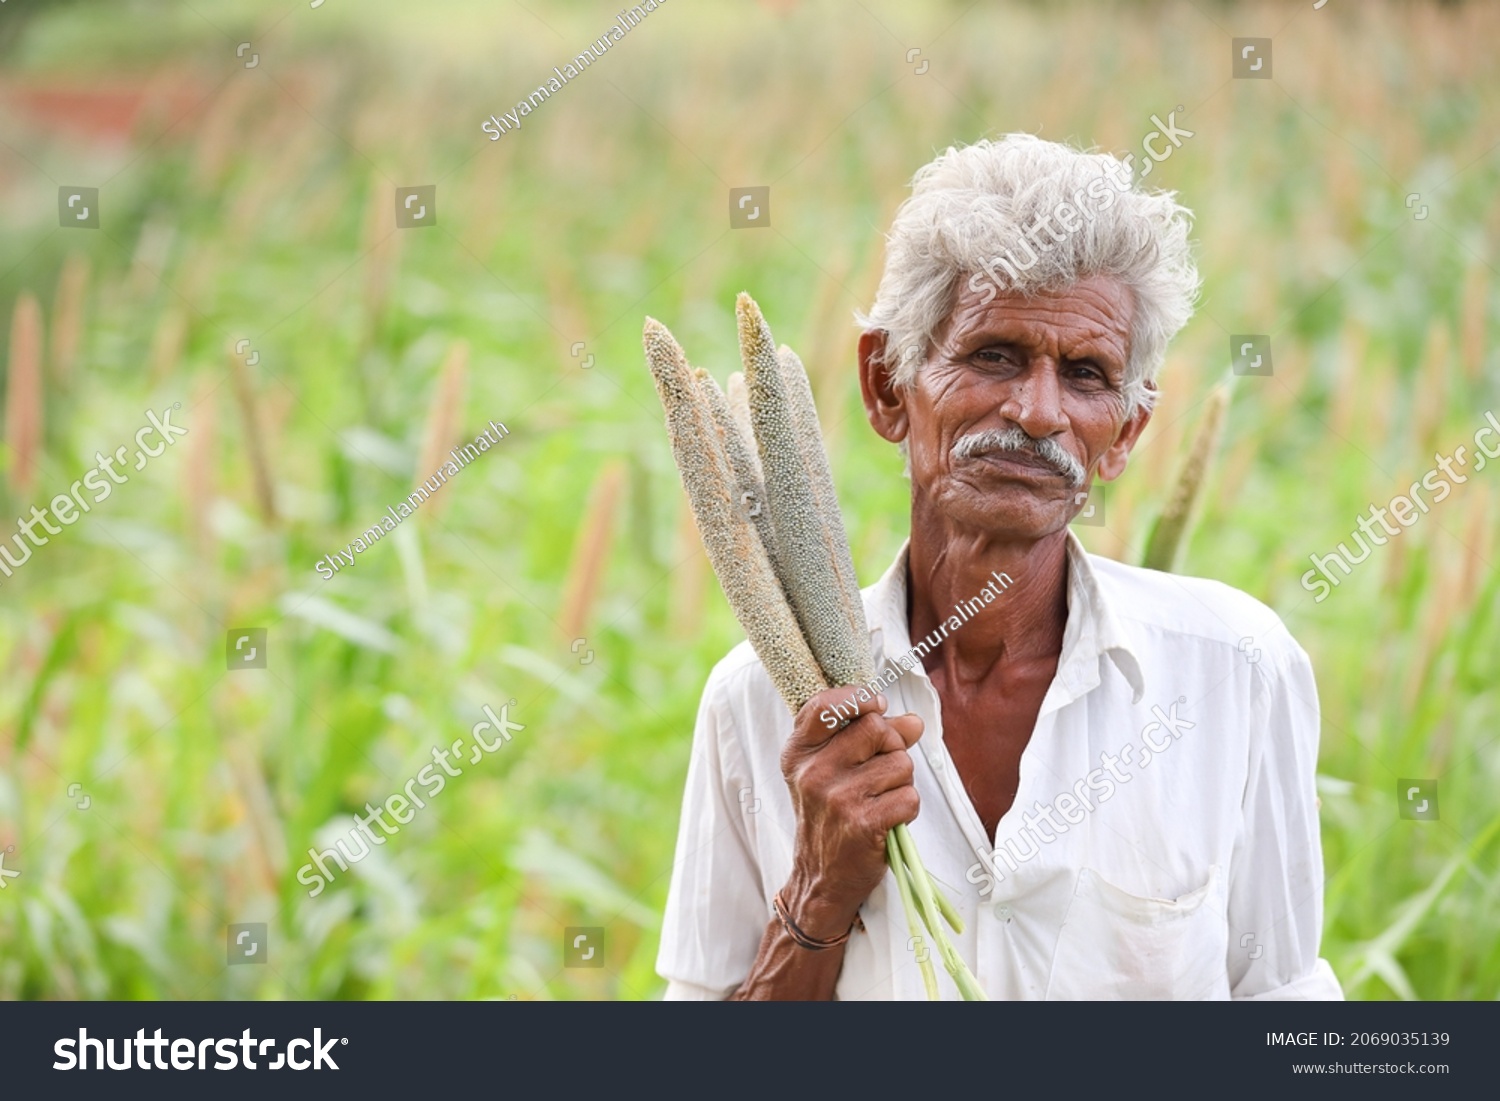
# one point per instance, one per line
(716, 910)
(1276, 888)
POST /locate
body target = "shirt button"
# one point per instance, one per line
(1003, 912)
(936, 761)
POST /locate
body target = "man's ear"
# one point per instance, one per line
(1112, 462)
(885, 405)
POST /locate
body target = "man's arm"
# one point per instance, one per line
(786, 972)
(848, 787)
(715, 904)
(1276, 891)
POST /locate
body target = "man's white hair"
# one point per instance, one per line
(977, 213)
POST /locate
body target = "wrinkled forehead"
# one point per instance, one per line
(1093, 313)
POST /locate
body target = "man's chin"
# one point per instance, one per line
(1012, 512)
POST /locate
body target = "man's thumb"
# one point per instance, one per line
(909, 726)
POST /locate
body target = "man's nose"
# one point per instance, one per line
(1034, 401)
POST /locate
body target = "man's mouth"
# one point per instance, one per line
(1020, 456)
(1021, 461)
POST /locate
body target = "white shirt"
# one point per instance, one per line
(1163, 842)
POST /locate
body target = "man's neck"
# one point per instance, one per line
(1024, 623)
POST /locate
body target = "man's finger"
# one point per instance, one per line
(898, 806)
(867, 737)
(830, 711)
(886, 772)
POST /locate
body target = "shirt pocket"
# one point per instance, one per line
(1116, 945)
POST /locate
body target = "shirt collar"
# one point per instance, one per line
(1093, 628)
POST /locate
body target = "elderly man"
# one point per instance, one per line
(1108, 770)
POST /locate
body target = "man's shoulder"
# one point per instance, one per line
(737, 667)
(739, 687)
(1193, 609)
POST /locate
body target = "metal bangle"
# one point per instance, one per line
(801, 938)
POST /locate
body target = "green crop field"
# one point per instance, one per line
(247, 273)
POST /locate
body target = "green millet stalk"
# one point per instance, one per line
(734, 548)
(899, 869)
(927, 906)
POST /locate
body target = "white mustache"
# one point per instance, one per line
(1013, 439)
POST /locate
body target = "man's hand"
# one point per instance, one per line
(849, 786)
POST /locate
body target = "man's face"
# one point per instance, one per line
(1051, 366)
